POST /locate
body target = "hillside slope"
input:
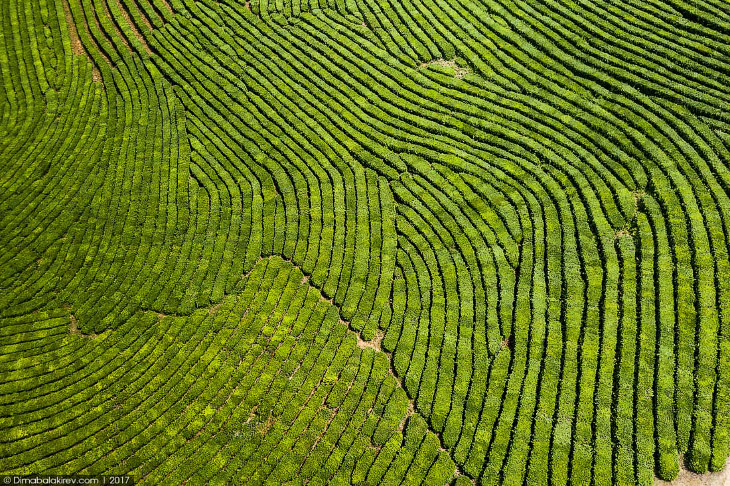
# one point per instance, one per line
(365, 241)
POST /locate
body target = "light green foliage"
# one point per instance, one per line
(364, 242)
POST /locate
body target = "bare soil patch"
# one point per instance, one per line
(460, 72)
(374, 344)
(76, 46)
(74, 328)
(689, 478)
(136, 33)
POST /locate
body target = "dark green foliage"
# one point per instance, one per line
(364, 242)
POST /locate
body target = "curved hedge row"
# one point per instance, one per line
(364, 241)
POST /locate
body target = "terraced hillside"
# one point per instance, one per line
(365, 241)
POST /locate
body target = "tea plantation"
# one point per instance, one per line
(386, 242)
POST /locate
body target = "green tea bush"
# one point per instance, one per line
(364, 241)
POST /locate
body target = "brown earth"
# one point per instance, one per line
(688, 478)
